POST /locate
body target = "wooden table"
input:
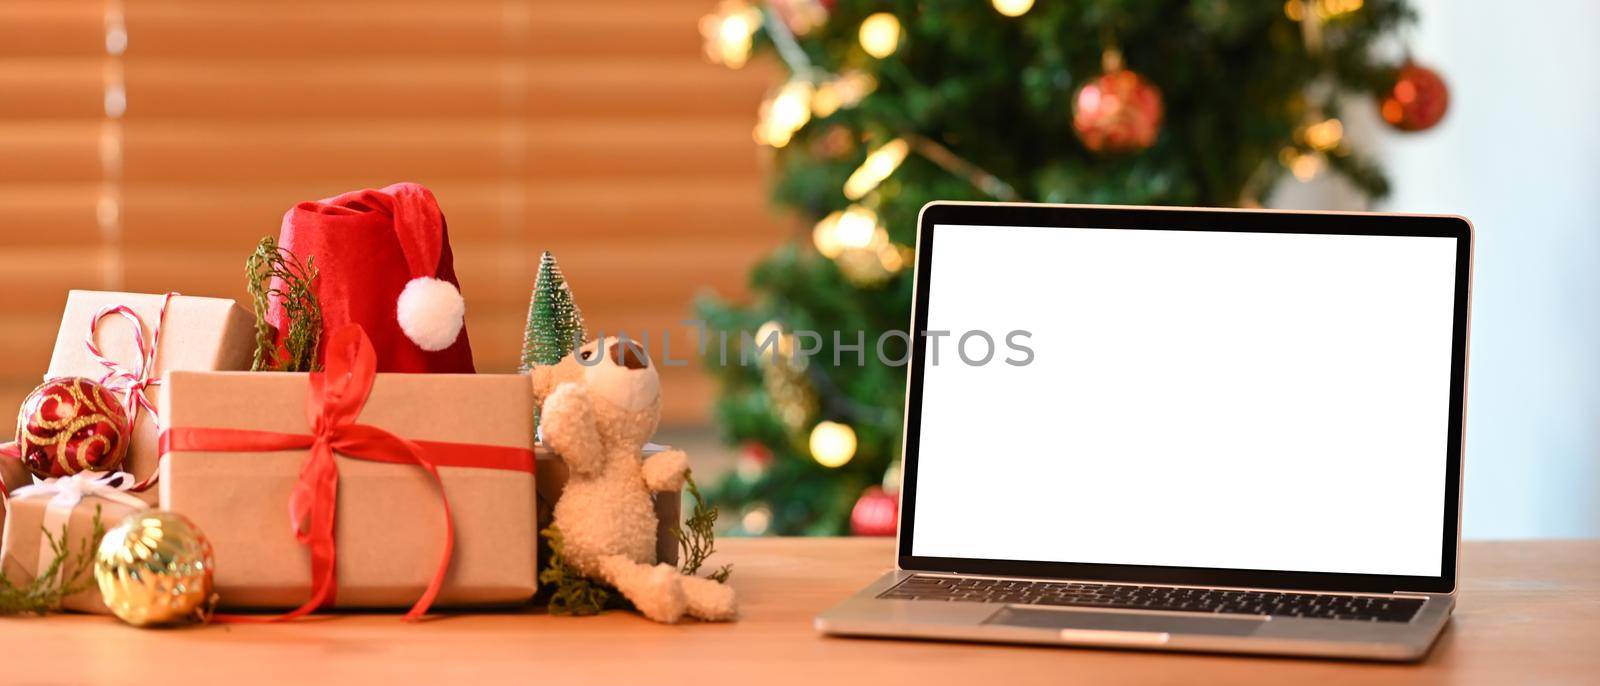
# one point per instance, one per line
(1529, 613)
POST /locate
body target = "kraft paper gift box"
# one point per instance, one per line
(197, 334)
(552, 480)
(389, 529)
(50, 505)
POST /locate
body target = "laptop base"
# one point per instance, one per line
(867, 615)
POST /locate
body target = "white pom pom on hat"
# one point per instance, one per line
(431, 312)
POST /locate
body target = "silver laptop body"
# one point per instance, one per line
(1323, 521)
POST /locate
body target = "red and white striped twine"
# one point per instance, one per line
(134, 384)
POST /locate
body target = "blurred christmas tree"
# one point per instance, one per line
(890, 104)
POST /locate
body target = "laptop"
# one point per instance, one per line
(1180, 429)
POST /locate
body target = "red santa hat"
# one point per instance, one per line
(383, 261)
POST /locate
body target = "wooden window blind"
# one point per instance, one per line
(146, 145)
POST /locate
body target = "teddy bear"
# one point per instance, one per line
(598, 407)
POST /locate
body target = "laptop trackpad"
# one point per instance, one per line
(1123, 621)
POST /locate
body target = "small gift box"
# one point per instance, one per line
(552, 480)
(399, 489)
(69, 504)
(130, 340)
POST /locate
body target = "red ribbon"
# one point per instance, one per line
(333, 404)
(8, 451)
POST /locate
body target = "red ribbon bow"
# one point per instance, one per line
(333, 404)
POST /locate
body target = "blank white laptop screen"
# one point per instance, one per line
(1195, 399)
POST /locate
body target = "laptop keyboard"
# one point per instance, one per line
(1165, 598)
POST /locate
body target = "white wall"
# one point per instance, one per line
(1518, 154)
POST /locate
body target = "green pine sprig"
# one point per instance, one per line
(68, 573)
(299, 302)
(697, 539)
(571, 593)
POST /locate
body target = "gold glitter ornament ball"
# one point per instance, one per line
(154, 567)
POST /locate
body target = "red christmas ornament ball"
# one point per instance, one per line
(876, 513)
(1118, 111)
(1418, 99)
(753, 460)
(70, 425)
(756, 452)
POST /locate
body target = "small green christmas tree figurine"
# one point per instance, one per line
(555, 326)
